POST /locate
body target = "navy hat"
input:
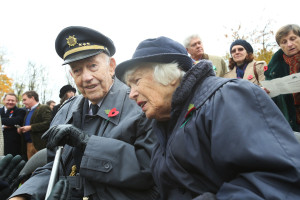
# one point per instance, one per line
(162, 50)
(243, 43)
(65, 89)
(76, 43)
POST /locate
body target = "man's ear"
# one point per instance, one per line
(112, 66)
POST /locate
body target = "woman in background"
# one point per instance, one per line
(242, 64)
(284, 62)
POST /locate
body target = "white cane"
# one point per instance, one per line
(54, 171)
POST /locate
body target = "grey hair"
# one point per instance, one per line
(163, 73)
(284, 31)
(187, 41)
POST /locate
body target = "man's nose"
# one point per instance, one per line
(87, 75)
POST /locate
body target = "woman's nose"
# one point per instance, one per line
(133, 93)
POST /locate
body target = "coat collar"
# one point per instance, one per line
(248, 71)
(114, 99)
(195, 75)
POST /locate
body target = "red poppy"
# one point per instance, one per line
(11, 112)
(189, 111)
(250, 77)
(113, 112)
(265, 68)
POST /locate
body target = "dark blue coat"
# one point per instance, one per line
(116, 161)
(236, 144)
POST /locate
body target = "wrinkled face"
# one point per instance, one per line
(10, 101)
(238, 54)
(290, 44)
(195, 48)
(28, 102)
(153, 97)
(93, 76)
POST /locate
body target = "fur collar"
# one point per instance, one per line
(192, 77)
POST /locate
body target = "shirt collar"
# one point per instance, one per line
(33, 107)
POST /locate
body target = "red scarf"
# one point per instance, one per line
(294, 63)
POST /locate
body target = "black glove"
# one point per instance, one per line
(60, 191)
(60, 135)
(10, 168)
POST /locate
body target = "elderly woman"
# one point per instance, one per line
(284, 62)
(242, 64)
(218, 138)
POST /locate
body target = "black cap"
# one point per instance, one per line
(65, 89)
(76, 43)
(161, 49)
(244, 44)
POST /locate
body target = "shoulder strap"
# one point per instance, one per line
(255, 72)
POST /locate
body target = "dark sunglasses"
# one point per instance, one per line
(237, 49)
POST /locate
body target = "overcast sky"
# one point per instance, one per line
(29, 28)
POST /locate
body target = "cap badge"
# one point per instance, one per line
(71, 41)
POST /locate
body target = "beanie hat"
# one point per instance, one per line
(243, 43)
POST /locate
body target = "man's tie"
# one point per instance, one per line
(95, 108)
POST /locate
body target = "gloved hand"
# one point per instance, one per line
(60, 135)
(60, 191)
(10, 168)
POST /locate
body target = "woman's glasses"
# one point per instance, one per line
(237, 49)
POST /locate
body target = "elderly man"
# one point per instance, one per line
(108, 140)
(284, 62)
(194, 46)
(11, 117)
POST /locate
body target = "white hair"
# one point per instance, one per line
(163, 73)
(187, 41)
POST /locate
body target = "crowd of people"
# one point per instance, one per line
(172, 122)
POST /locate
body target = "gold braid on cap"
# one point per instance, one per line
(82, 48)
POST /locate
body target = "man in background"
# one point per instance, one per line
(36, 122)
(65, 93)
(51, 104)
(11, 118)
(194, 46)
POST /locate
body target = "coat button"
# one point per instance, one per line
(106, 165)
(273, 73)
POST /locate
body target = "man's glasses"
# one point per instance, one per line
(237, 49)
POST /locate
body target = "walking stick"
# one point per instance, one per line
(54, 171)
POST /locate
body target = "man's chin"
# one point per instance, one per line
(94, 98)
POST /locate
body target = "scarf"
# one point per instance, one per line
(294, 63)
(240, 71)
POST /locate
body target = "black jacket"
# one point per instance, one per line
(12, 140)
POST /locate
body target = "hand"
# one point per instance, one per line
(60, 191)
(266, 90)
(19, 131)
(24, 129)
(10, 168)
(60, 135)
